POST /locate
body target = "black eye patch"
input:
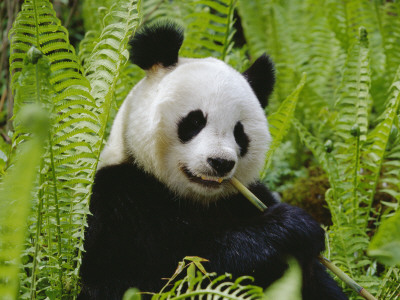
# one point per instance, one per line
(241, 138)
(191, 125)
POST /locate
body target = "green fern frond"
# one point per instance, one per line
(210, 29)
(353, 107)
(389, 182)
(86, 45)
(32, 87)
(93, 12)
(109, 56)
(377, 142)
(323, 153)
(318, 53)
(255, 22)
(350, 244)
(262, 20)
(347, 239)
(174, 10)
(348, 17)
(391, 38)
(36, 25)
(209, 286)
(354, 99)
(390, 287)
(103, 67)
(218, 288)
(280, 122)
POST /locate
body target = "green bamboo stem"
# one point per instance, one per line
(326, 262)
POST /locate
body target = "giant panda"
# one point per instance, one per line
(162, 190)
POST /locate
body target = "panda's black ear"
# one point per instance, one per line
(157, 44)
(261, 77)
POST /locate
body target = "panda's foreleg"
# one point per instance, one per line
(281, 231)
(318, 284)
(261, 245)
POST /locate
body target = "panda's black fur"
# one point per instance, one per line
(158, 44)
(261, 77)
(139, 230)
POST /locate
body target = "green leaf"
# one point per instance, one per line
(109, 56)
(15, 202)
(132, 294)
(385, 245)
(288, 287)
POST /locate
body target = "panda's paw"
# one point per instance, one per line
(298, 232)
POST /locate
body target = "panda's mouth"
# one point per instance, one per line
(205, 180)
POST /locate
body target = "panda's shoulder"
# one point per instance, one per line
(124, 184)
(263, 193)
(116, 176)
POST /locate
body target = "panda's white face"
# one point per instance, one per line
(211, 128)
(192, 123)
(193, 127)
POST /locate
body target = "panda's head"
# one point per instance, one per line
(192, 123)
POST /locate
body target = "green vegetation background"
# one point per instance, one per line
(334, 117)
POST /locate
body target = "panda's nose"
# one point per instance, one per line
(222, 166)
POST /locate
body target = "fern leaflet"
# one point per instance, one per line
(210, 29)
(280, 121)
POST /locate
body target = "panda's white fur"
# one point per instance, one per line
(145, 127)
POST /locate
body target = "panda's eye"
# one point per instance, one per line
(241, 138)
(191, 125)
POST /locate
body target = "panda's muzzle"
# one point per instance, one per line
(203, 179)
